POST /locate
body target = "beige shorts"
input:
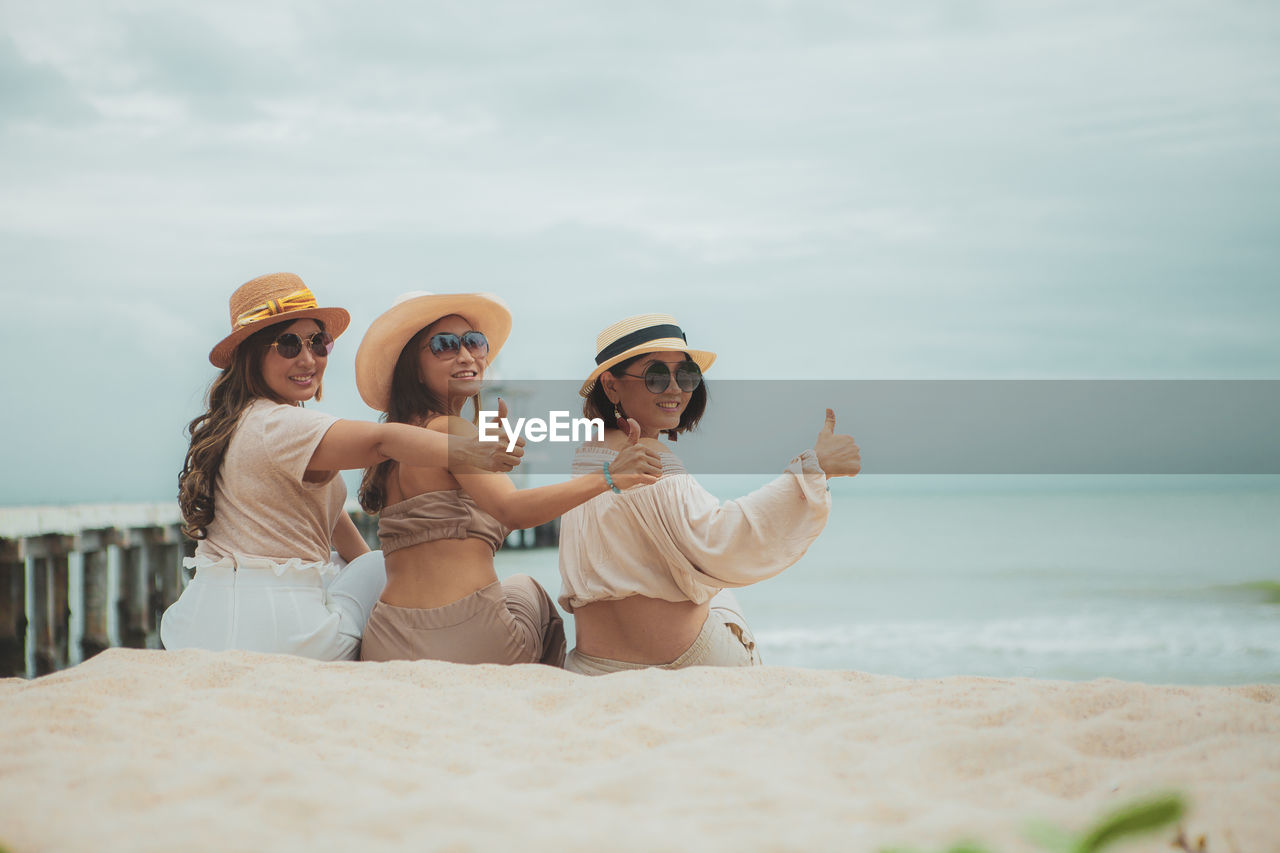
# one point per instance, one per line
(725, 640)
(512, 621)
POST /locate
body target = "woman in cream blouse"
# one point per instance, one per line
(646, 571)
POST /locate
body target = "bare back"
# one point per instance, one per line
(639, 629)
(440, 572)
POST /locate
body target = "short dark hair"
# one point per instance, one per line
(597, 404)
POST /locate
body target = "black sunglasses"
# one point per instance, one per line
(657, 376)
(447, 344)
(289, 345)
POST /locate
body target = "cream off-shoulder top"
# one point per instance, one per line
(674, 540)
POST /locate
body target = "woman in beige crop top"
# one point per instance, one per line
(646, 572)
(260, 492)
(419, 363)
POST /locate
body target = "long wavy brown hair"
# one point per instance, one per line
(411, 403)
(239, 384)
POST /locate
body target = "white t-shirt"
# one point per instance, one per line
(261, 506)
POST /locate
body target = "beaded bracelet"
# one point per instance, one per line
(609, 479)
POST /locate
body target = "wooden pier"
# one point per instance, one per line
(76, 580)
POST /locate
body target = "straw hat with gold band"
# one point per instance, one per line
(380, 349)
(638, 335)
(276, 298)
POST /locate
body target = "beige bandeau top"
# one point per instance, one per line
(446, 514)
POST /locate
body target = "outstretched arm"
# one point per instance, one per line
(520, 508)
(362, 444)
(746, 540)
(742, 541)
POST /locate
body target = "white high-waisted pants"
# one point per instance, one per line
(314, 610)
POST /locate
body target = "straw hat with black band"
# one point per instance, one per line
(280, 297)
(380, 349)
(638, 335)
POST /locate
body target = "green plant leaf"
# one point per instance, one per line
(1050, 837)
(1132, 819)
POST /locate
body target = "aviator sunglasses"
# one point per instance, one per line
(447, 344)
(657, 376)
(289, 345)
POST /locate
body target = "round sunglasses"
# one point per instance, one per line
(289, 345)
(447, 344)
(657, 376)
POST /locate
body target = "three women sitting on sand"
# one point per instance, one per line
(646, 554)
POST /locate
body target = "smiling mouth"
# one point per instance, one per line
(302, 380)
(670, 407)
(465, 374)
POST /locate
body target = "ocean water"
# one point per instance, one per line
(1167, 580)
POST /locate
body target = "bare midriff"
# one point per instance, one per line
(639, 629)
(433, 574)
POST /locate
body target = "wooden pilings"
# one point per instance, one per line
(66, 597)
(153, 578)
(98, 592)
(543, 536)
(47, 566)
(13, 609)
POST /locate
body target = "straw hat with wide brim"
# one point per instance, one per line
(380, 350)
(280, 297)
(638, 335)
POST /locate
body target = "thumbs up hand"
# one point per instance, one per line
(504, 437)
(491, 455)
(838, 455)
(637, 464)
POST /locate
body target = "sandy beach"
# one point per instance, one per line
(148, 750)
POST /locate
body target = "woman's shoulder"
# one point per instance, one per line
(596, 448)
(262, 406)
(262, 412)
(615, 442)
(452, 424)
(266, 409)
(591, 455)
(281, 430)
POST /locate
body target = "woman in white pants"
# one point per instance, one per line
(279, 565)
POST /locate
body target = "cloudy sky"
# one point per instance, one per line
(958, 189)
